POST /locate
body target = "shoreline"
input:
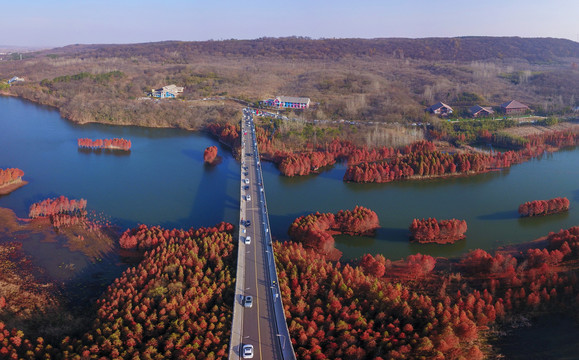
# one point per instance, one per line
(79, 122)
(7, 189)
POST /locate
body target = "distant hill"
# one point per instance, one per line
(350, 79)
(534, 50)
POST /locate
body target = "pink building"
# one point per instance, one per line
(288, 102)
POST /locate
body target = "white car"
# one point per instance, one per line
(247, 240)
(247, 351)
(247, 181)
(248, 301)
(248, 197)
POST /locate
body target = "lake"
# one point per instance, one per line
(163, 181)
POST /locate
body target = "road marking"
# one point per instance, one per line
(255, 255)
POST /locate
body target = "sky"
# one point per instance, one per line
(53, 23)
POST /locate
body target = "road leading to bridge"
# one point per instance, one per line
(263, 324)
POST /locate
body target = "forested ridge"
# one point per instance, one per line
(459, 48)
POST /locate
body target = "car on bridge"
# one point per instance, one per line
(248, 301)
(247, 351)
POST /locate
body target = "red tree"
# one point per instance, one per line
(544, 207)
(440, 232)
(210, 154)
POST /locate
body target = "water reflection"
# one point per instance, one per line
(539, 221)
(501, 215)
(114, 152)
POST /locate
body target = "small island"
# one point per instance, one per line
(544, 207)
(316, 230)
(109, 144)
(10, 180)
(61, 212)
(430, 230)
(210, 156)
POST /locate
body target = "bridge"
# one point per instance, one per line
(260, 322)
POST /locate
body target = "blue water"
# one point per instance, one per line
(163, 181)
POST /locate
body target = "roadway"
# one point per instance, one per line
(262, 325)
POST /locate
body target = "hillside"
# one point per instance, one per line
(380, 80)
(533, 50)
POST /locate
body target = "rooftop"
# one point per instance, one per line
(514, 104)
(293, 99)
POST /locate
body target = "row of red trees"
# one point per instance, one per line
(304, 163)
(113, 144)
(146, 237)
(56, 206)
(440, 232)
(10, 176)
(544, 207)
(316, 230)
(63, 212)
(425, 161)
(210, 154)
(557, 139)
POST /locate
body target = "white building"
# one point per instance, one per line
(169, 91)
(288, 102)
(15, 79)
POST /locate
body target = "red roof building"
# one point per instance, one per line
(514, 107)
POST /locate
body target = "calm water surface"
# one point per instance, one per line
(163, 182)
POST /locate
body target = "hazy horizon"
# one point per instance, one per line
(35, 48)
(39, 24)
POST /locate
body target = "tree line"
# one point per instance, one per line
(437, 231)
(112, 144)
(10, 176)
(544, 207)
(426, 162)
(62, 213)
(146, 237)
